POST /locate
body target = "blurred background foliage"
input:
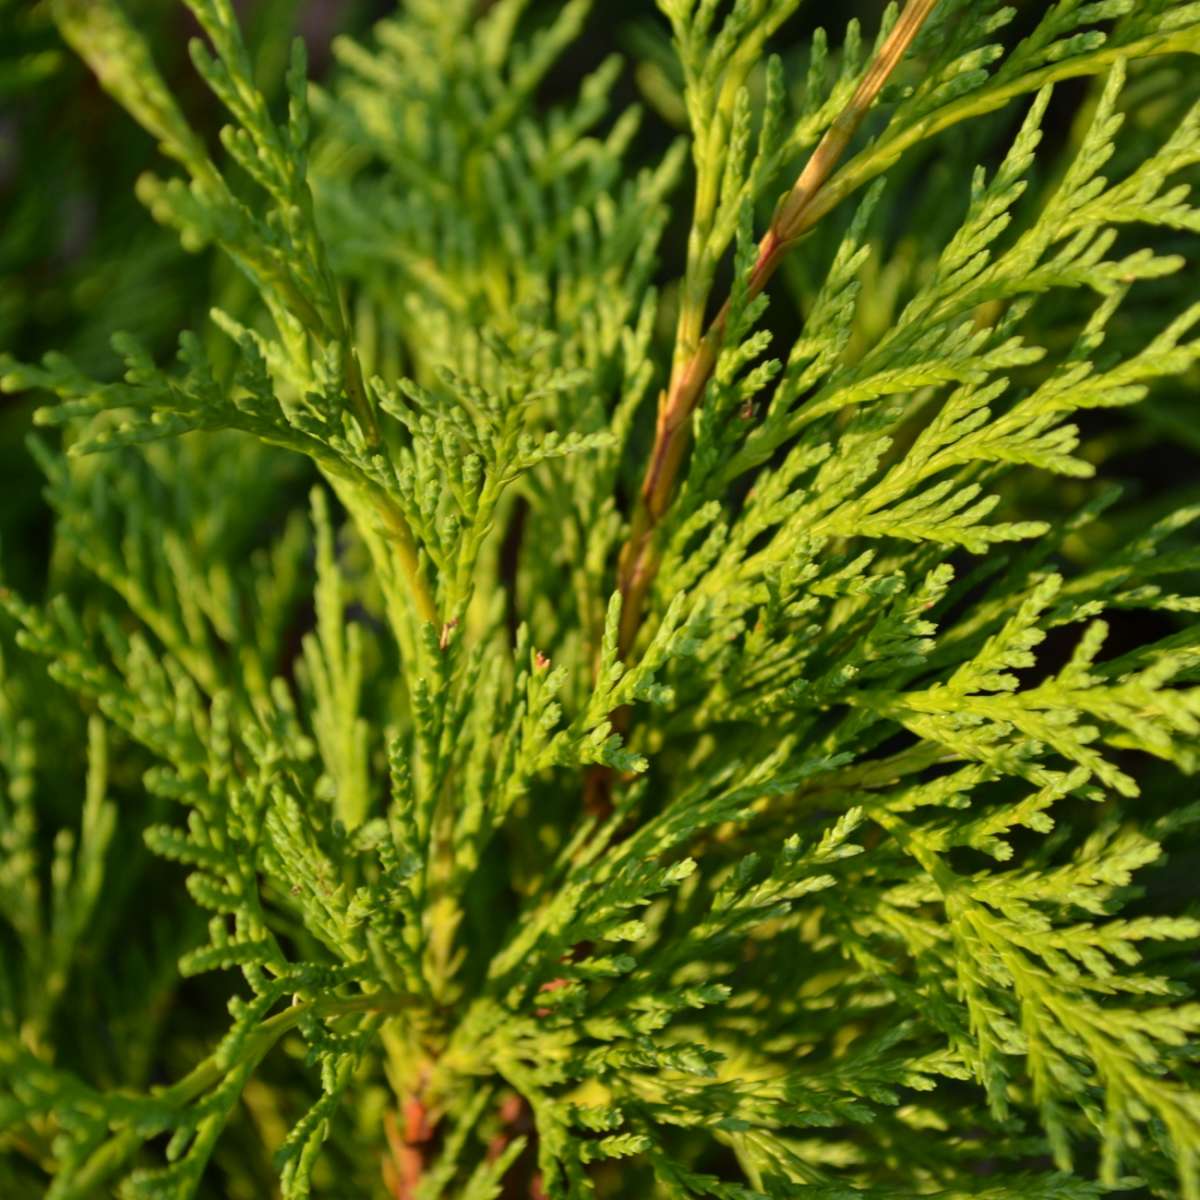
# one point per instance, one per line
(80, 259)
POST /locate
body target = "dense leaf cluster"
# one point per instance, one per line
(782, 821)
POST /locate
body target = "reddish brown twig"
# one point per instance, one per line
(638, 563)
(796, 214)
(404, 1165)
(552, 985)
(512, 1118)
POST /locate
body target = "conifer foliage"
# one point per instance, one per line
(619, 664)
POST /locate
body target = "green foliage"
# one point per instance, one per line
(405, 840)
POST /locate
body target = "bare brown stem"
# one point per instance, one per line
(638, 562)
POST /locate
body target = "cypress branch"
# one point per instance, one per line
(882, 689)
